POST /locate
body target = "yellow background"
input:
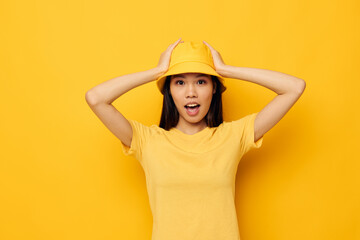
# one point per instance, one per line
(63, 174)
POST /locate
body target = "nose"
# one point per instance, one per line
(191, 91)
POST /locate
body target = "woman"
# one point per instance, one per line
(190, 160)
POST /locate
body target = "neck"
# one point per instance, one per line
(191, 128)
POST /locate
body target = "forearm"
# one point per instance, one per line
(276, 81)
(109, 91)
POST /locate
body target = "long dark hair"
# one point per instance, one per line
(170, 115)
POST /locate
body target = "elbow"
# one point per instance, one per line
(300, 86)
(90, 98)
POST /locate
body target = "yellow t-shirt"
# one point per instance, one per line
(190, 179)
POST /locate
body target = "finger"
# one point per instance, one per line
(209, 45)
(176, 42)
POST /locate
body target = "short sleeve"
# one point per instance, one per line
(140, 135)
(245, 126)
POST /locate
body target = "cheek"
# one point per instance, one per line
(208, 98)
(176, 100)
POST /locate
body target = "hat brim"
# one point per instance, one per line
(185, 67)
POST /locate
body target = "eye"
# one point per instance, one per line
(177, 82)
(202, 81)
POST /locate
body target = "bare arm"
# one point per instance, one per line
(100, 99)
(288, 88)
(109, 91)
(278, 82)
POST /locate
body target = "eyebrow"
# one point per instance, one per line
(182, 76)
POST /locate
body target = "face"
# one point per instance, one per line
(192, 87)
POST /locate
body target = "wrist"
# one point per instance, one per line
(223, 70)
(158, 72)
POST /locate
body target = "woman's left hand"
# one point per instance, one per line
(218, 62)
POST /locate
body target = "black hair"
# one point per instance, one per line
(170, 115)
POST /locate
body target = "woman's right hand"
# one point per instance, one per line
(164, 61)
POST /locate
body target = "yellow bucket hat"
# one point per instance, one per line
(190, 56)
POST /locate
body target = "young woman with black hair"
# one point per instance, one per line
(190, 159)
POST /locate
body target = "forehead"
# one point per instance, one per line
(190, 75)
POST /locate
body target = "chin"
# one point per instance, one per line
(195, 119)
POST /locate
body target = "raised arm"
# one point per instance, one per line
(288, 88)
(100, 97)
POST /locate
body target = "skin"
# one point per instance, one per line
(288, 88)
(190, 87)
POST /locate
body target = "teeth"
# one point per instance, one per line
(192, 105)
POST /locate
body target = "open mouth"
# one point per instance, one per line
(192, 109)
(193, 106)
